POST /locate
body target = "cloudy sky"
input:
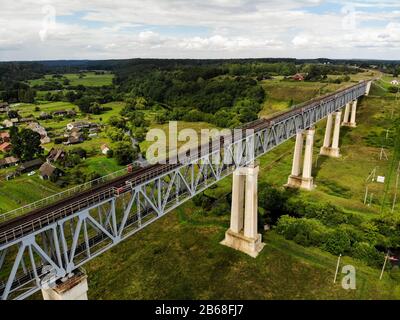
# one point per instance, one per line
(105, 29)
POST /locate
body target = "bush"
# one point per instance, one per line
(124, 153)
(110, 153)
(203, 201)
(221, 209)
(306, 232)
(368, 253)
(395, 273)
(337, 242)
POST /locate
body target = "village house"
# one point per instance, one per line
(8, 162)
(63, 113)
(56, 155)
(36, 127)
(80, 125)
(25, 120)
(4, 107)
(4, 137)
(60, 113)
(49, 172)
(10, 123)
(44, 116)
(298, 77)
(29, 166)
(5, 147)
(71, 113)
(7, 123)
(74, 137)
(104, 149)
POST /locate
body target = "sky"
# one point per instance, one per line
(119, 29)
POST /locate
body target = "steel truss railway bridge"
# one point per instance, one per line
(45, 248)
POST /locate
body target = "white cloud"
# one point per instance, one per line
(201, 29)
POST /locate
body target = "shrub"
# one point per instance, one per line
(368, 253)
(395, 273)
(203, 201)
(337, 242)
(221, 209)
(307, 232)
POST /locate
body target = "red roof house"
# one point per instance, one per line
(4, 137)
(5, 147)
(298, 77)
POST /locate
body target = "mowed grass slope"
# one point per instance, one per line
(179, 257)
(24, 190)
(89, 79)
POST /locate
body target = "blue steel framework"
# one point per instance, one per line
(63, 241)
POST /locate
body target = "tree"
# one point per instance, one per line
(124, 153)
(115, 134)
(84, 104)
(140, 134)
(337, 242)
(95, 108)
(13, 114)
(26, 144)
(117, 122)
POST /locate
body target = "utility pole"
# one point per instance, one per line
(384, 266)
(396, 188)
(337, 268)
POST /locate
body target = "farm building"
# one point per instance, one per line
(4, 107)
(8, 162)
(298, 77)
(4, 137)
(5, 147)
(29, 166)
(10, 123)
(56, 155)
(34, 126)
(49, 172)
(75, 138)
(60, 113)
(104, 149)
(44, 116)
(80, 125)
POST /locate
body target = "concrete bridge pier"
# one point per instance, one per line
(352, 123)
(368, 88)
(304, 179)
(346, 118)
(74, 288)
(243, 233)
(328, 149)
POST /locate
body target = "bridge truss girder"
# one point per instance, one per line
(59, 248)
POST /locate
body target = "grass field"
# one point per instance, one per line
(27, 109)
(281, 94)
(179, 257)
(24, 190)
(90, 79)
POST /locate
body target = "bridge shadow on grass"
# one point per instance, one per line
(320, 160)
(344, 139)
